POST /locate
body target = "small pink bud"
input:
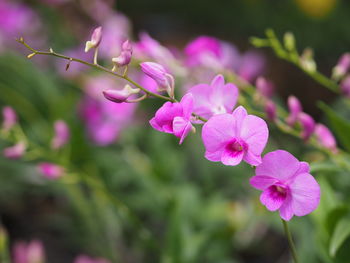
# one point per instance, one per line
(270, 110)
(125, 56)
(9, 118)
(342, 67)
(16, 151)
(50, 170)
(308, 125)
(95, 39)
(157, 72)
(345, 86)
(62, 135)
(120, 96)
(295, 109)
(264, 87)
(325, 137)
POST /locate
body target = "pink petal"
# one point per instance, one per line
(262, 182)
(230, 96)
(217, 131)
(305, 194)
(272, 201)
(187, 105)
(255, 133)
(252, 158)
(202, 106)
(181, 128)
(239, 115)
(304, 168)
(214, 156)
(228, 158)
(278, 164)
(286, 210)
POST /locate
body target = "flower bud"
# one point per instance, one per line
(307, 61)
(16, 151)
(289, 41)
(158, 73)
(345, 86)
(62, 135)
(95, 39)
(125, 56)
(32, 252)
(270, 110)
(264, 87)
(50, 170)
(325, 137)
(342, 67)
(308, 125)
(9, 118)
(295, 109)
(120, 96)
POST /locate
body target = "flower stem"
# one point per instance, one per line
(290, 241)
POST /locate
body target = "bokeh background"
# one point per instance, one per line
(143, 198)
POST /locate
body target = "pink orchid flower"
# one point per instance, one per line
(175, 117)
(215, 98)
(287, 185)
(62, 134)
(231, 138)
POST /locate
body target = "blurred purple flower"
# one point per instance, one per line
(295, 109)
(345, 86)
(264, 87)
(325, 137)
(50, 170)
(16, 151)
(342, 66)
(104, 119)
(9, 118)
(86, 259)
(32, 252)
(307, 124)
(251, 65)
(270, 110)
(61, 136)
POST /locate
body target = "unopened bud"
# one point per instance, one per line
(325, 137)
(9, 118)
(345, 86)
(16, 151)
(95, 39)
(307, 61)
(61, 136)
(270, 110)
(120, 96)
(51, 170)
(289, 41)
(342, 66)
(125, 56)
(307, 124)
(295, 109)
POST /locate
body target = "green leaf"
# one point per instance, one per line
(340, 234)
(340, 125)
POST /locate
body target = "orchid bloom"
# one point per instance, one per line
(287, 185)
(175, 117)
(215, 98)
(231, 138)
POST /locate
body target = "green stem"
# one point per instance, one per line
(290, 241)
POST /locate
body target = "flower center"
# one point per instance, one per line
(219, 109)
(236, 146)
(279, 191)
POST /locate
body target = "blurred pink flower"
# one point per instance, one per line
(345, 86)
(86, 259)
(61, 136)
(104, 119)
(287, 185)
(270, 110)
(295, 109)
(32, 252)
(50, 170)
(16, 151)
(215, 98)
(251, 65)
(342, 66)
(75, 68)
(231, 138)
(9, 118)
(325, 137)
(175, 117)
(264, 87)
(307, 125)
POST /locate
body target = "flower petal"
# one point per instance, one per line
(271, 200)
(181, 128)
(232, 159)
(278, 164)
(305, 194)
(286, 210)
(239, 114)
(252, 158)
(187, 105)
(217, 131)
(262, 182)
(255, 133)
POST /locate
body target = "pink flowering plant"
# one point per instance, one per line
(108, 148)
